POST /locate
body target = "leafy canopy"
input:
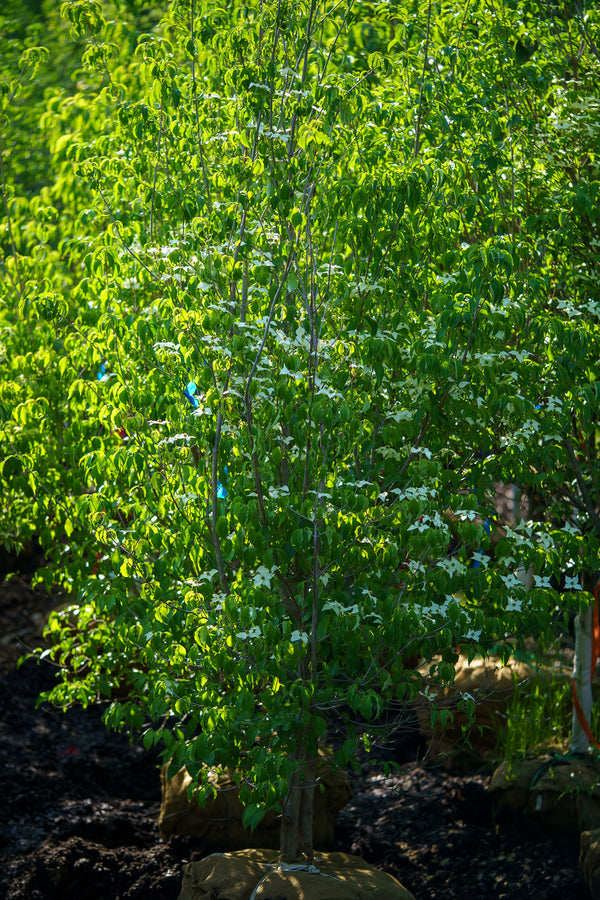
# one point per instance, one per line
(304, 282)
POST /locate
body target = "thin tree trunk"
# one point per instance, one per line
(307, 803)
(525, 576)
(582, 677)
(297, 818)
(290, 824)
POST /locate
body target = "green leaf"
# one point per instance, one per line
(252, 816)
(11, 467)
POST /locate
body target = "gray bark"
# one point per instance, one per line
(582, 676)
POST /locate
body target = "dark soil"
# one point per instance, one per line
(80, 806)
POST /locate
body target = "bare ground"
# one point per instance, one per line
(80, 806)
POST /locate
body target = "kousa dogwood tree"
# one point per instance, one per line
(296, 317)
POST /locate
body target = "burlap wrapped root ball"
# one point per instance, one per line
(589, 860)
(558, 795)
(461, 744)
(246, 874)
(219, 821)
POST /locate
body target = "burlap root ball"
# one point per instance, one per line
(246, 874)
(463, 745)
(589, 860)
(557, 794)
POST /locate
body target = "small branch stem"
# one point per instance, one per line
(420, 108)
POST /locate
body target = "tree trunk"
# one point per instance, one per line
(307, 811)
(525, 576)
(582, 677)
(297, 817)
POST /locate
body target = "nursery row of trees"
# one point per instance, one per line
(288, 289)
